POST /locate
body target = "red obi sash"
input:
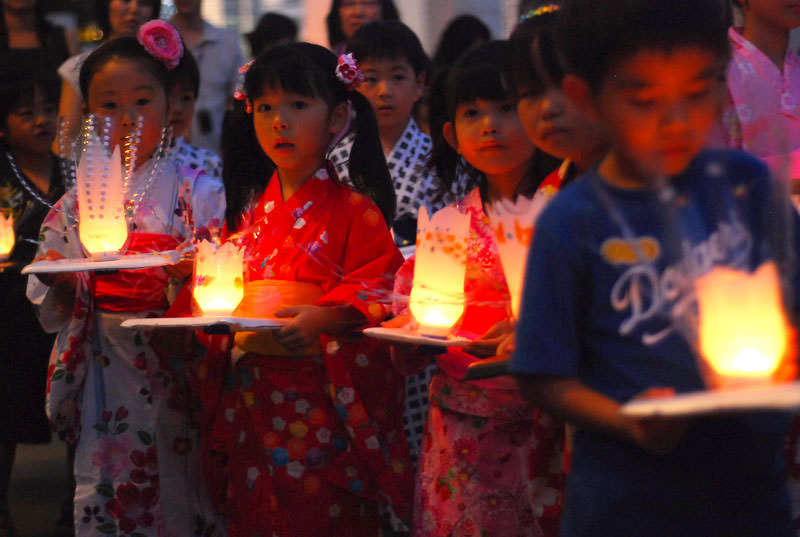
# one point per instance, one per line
(135, 290)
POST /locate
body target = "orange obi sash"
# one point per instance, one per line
(135, 290)
(261, 299)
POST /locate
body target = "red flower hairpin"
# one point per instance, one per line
(348, 72)
(162, 41)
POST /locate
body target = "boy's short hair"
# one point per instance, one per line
(389, 40)
(17, 89)
(595, 36)
(186, 73)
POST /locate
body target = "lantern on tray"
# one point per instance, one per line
(101, 221)
(512, 223)
(218, 278)
(437, 294)
(743, 332)
(6, 235)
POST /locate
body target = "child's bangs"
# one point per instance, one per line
(479, 82)
(288, 72)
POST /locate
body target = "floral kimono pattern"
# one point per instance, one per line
(406, 163)
(763, 114)
(310, 445)
(491, 464)
(126, 406)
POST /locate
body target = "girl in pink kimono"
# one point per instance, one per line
(125, 405)
(763, 112)
(490, 464)
(763, 118)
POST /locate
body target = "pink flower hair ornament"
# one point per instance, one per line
(349, 72)
(162, 41)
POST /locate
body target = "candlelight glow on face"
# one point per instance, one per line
(218, 283)
(437, 295)
(101, 222)
(743, 331)
(6, 235)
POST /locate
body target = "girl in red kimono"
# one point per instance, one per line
(307, 436)
(491, 463)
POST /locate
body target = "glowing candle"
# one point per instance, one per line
(101, 222)
(6, 235)
(218, 273)
(743, 331)
(437, 294)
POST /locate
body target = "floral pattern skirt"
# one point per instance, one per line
(489, 477)
(284, 439)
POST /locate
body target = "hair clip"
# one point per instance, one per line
(541, 10)
(348, 72)
(239, 93)
(162, 41)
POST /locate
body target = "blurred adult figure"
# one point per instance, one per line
(272, 29)
(347, 16)
(116, 18)
(218, 57)
(28, 41)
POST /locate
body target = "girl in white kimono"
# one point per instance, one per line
(126, 404)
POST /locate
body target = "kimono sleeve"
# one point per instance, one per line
(547, 337)
(208, 201)
(57, 233)
(370, 261)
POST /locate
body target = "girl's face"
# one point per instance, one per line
(30, 127)
(126, 16)
(783, 15)
(124, 91)
(354, 14)
(555, 125)
(489, 135)
(294, 130)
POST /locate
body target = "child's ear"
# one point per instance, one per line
(339, 117)
(449, 133)
(579, 92)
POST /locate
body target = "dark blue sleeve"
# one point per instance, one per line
(547, 330)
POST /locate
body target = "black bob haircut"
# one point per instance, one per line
(534, 64)
(389, 40)
(333, 21)
(18, 89)
(102, 18)
(595, 36)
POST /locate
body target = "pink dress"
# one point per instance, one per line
(763, 114)
(491, 464)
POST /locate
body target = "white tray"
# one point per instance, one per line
(232, 324)
(123, 262)
(401, 335)
(773, 397)
(408, 251)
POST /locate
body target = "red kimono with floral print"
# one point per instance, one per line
(311, 445)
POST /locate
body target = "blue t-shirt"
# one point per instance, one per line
(599, 305)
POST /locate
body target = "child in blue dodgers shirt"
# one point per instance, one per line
(595, 329)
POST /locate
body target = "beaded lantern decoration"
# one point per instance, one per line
(437, 294)
(99, 179)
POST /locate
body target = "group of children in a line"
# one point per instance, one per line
(300, 431)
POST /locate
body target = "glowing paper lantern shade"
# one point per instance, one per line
(743, 333)
(101, 221)
(218, 272)
(437, 294)
(512, 223)
(6, 235)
